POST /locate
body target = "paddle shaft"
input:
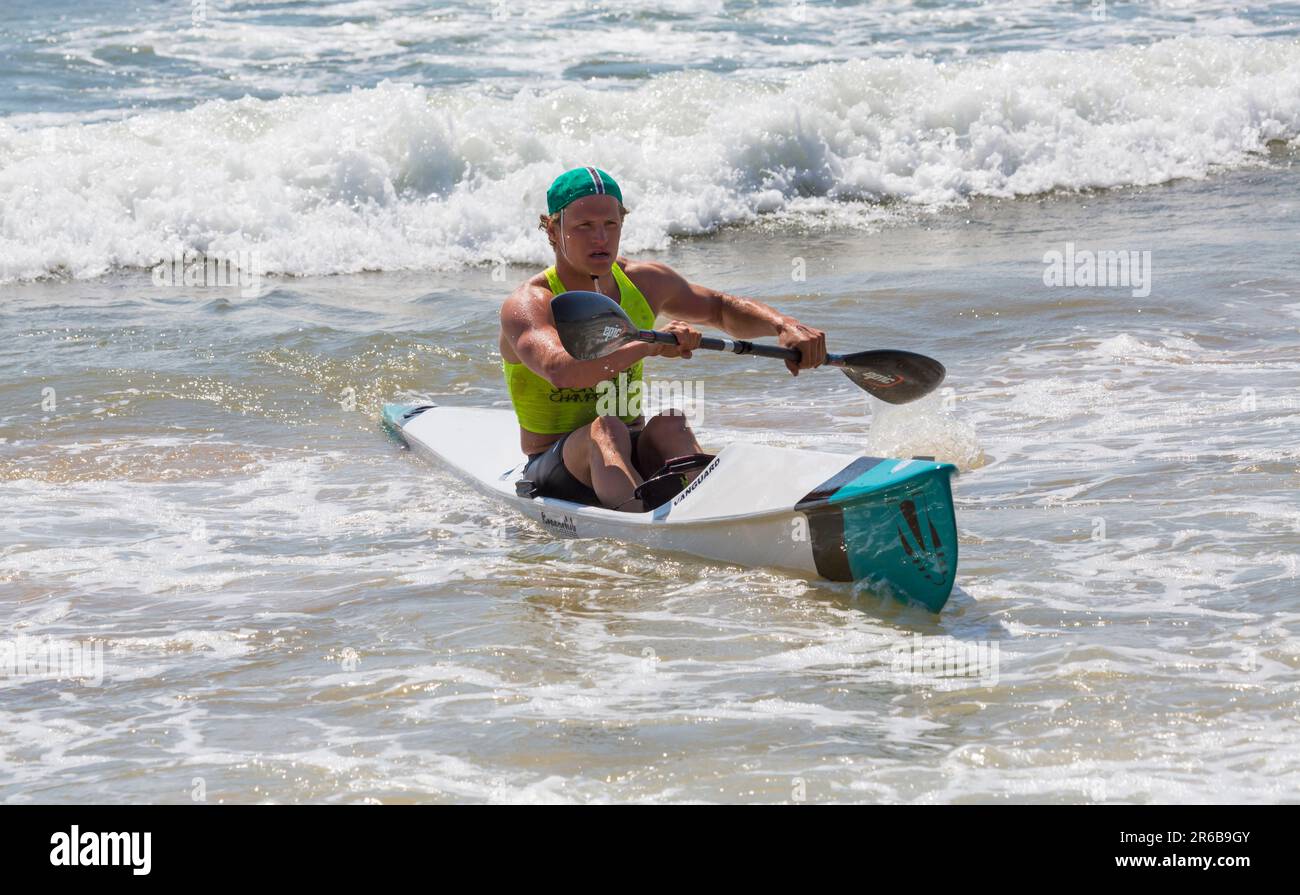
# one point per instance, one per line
(592, 325)
(735, 346)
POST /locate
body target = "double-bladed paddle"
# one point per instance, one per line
(592, 325)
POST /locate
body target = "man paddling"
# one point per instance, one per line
(573, 452)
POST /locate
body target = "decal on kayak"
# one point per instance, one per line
(927, 557)
(704, 474)
(565, 524)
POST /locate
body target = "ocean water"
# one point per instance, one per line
(282, 605)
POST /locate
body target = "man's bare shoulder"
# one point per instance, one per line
(657, 281)
(529, 293)
(651, 270)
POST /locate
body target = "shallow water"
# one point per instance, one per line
(276, 603)
(292, 608)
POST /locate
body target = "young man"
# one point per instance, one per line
(572, 452)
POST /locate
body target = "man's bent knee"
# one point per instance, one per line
(609, 430)
(667, 422)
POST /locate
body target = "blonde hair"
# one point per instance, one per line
(545, 221)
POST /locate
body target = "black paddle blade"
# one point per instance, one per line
(895, 377)
(591, 325)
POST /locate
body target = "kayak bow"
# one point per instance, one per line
(886, 523)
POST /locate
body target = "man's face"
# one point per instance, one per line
(589, 230)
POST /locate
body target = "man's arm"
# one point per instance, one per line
(530, 330)
(744, 318)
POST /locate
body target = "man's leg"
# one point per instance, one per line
(665, 436)
(600, 456)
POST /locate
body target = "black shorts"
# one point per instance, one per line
(547, 471)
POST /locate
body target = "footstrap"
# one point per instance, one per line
(670, 480)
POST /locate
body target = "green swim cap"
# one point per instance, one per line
(577, 183)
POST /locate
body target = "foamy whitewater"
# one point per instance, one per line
(215, 566)
(395, 175)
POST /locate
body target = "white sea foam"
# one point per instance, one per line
(406, 177)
